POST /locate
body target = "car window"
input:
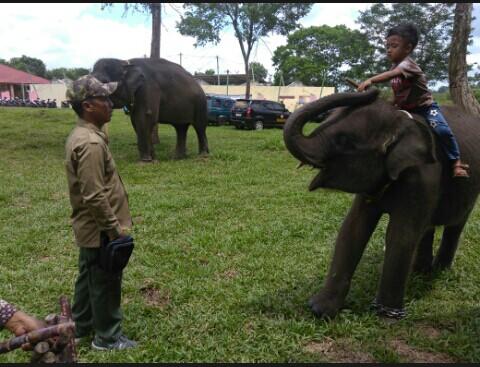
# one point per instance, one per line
(216, 103)
(227, 103)
(270, 106)
(241, 104)
(277, 107)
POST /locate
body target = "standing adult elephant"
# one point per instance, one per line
(394, 165)
(157, 90)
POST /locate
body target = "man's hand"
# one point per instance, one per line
(21, 323)
(125, 231)
(364, 85)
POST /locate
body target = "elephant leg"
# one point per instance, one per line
(202, 139)
(181, 149)
(404, 232)
(424, 255)
(354, 234)
(144, 135)
(448, 247)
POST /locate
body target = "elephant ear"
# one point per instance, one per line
(133, 79)
(411, 144)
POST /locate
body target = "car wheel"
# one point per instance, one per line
(258, 125)
(220, 120)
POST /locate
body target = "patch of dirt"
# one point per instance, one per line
(340, 351)
(411, 355)
(155, 297)
(249, 326)
(22, 202)
(429, 331)
(228, 274)
(59, 195)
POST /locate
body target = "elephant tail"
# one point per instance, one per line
(201, 113)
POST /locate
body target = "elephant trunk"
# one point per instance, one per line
(305, 148)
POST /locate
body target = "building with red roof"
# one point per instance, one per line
(17, 83)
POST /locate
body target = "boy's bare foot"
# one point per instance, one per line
(460, 169)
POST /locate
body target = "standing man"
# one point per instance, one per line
(100, 213)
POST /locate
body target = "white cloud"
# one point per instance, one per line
(76, 35)
(333, 14)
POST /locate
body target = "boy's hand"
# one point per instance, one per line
(364, 85)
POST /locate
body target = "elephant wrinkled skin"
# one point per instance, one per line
(394, 165)
(157, 90)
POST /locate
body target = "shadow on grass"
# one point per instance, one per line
(291, 301)
(459, 331)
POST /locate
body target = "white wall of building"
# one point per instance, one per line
(292, 97)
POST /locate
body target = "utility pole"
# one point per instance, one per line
(227, 81)
(156, 9)
(218, 73)
(180, 59)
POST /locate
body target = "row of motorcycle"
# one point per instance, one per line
(19, 102)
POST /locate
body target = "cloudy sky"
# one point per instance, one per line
(76, 35)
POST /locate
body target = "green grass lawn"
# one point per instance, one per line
(228, 250)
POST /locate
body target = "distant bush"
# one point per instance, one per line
(476, 93)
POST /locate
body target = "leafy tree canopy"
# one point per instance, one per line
(29, 64)
(323, 55)
(210, 72)
(37, 67)
(250, 22)
(70, 73)
(434, 22)
(258, 72)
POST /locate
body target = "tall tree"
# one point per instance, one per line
(70, 73)
(155, 9)
(258, 72)
(250, 22)
(324, 55)
(31, 65)
(434, 22)
(457, 63)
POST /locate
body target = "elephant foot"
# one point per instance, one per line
(441, 264)
(423, 268)
(143, 162)
(323, 306)
(388, 312)
(179, 156)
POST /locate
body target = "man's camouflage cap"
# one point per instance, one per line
(88, 86)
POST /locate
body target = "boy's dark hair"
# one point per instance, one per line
(77, 107)
(407, 31)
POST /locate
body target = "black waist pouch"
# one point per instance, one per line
(114, 255)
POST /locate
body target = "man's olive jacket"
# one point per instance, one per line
(98, 197)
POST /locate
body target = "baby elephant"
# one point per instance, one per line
(394, 165)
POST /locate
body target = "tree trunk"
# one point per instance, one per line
(156, 9)
(247, 89)
(457, 64)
